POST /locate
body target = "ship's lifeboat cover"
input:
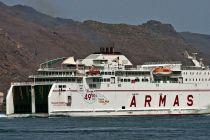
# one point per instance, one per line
(93, 71)
(162, 71)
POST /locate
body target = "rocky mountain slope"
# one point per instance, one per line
(198, 41)
(28, 38)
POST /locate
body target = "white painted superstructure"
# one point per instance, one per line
(106, 83)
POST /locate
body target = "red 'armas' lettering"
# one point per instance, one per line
(162, 100)
(133, 101)
(190, 100)
(176, 101)
(148, 99)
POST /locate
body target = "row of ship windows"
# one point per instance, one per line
(107, 73)
(203, 79)
(196, 73)
(59, 80)
(101, 80)
(122, 80)
(62, 86)
(135, 80)
(92, 85)
(132, 73)
(58, 73)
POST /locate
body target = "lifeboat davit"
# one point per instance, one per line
(93, 71)
(162, 71)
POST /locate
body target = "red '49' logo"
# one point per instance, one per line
(90, 97)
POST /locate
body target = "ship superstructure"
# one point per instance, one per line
(107, 83)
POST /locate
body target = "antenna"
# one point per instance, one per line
(194, 59)
(187, 55)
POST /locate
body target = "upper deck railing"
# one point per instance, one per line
(32, 83)
(59, 69)
(194, 68)
(167, 62)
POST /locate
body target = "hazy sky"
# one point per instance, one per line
(184, 15)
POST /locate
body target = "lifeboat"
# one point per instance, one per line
(93, 71)
(162, 71)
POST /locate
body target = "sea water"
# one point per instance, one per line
(110, 128)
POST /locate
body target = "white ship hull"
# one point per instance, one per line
(177, 99)
(138, 99)
(166, 112)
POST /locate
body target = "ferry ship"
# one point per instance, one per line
(107, 84)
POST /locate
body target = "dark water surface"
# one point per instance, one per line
(114, 128)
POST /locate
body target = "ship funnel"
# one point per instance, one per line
(111, 50)
(102, 50)
(107, 50)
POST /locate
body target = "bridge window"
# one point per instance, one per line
(92, 85)
(127, 80)
(145, 80)
(94, 80)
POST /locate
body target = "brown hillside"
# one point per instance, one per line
(28, 38)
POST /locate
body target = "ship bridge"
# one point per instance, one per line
(107, 57)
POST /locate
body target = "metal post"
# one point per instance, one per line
(33, 108)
